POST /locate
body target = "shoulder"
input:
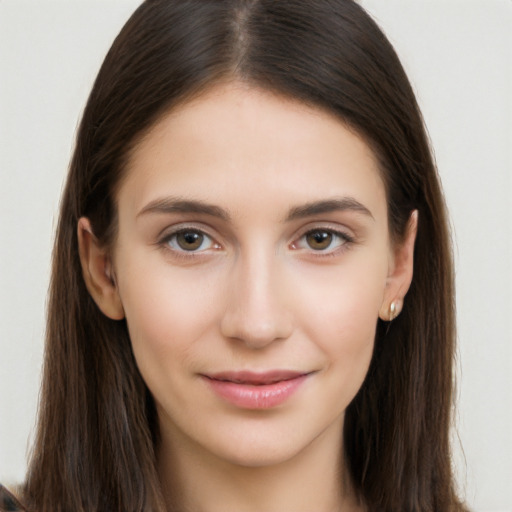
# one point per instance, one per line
(8, 502)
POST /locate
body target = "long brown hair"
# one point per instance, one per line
(97, 432)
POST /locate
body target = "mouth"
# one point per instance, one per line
(256, 379)
(256, 390)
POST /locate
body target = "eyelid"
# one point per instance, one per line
(343, 233)
(337, 231)
(169, 232)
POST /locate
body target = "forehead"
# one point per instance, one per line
(253, 144)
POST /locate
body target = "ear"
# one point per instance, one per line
(400, 272)
(98, 273)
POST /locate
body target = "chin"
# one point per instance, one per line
(260, 445)
(257, 456)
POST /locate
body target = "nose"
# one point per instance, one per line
(257, 311)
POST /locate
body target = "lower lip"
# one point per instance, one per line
(248, 396)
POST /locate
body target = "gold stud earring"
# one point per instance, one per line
(394, 310)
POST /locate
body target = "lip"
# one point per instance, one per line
(256, 390)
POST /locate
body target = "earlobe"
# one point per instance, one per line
(98, 273)
(401, 273)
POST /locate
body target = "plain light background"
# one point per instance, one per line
(458, 54)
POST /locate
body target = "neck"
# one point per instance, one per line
(314, 479)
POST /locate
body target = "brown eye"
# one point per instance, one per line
(189, 240)
(322, 241)
(319, 240)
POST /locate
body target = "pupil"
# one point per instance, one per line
(319, 239)
(189, 240)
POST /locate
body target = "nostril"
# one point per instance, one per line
(255, 331)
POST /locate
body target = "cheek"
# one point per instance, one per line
(167, 312)
(345, 300)
(342, 312)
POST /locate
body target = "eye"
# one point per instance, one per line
(319, 240)
(189, 240)
(322, 240)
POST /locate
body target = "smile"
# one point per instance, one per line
(249, 390)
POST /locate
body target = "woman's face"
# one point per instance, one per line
(252, 261)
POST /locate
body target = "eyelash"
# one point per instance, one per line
(345, 241)
(165, 242)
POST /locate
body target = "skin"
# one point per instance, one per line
(258, 293)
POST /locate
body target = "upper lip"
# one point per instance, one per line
(255, 378)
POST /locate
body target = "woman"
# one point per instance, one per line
(251, 304)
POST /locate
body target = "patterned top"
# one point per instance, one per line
(8, 502)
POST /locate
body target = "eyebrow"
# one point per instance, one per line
(328, 206)
(179, 205)
(168, 205)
